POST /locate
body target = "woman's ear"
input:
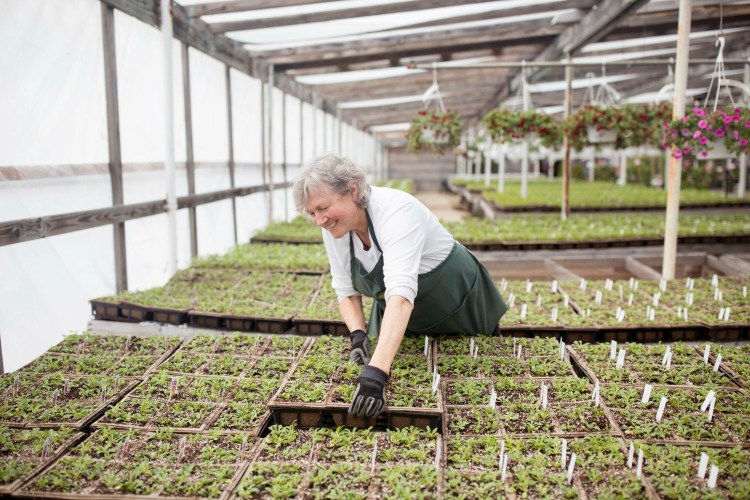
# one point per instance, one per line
(355, 192)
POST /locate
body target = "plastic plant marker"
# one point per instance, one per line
(243, 447)
(582, 284)
(426, 344)
(538, 300)
(437, 458)
(646, 393)
(721, 313)
(173, 387)
(45, 449)
(620, 359)
(511, 299)
(714, 281)
(668, 366)
(505, 468)
(373, 457)
(744, 291)
(528, 285)
(501, 460)
(476, 351)
(524, 308)
(16, 384)
(639, 467)
(553, 315)
(663, 285)
(117, 384)
(554, 286)
(710, 396)
(717, 363)
(471, 346)
(630, 282)
(493, 399)
(183, 448)
(713, 476)
(54, 396)
(564, 453)
(706, 353)
(596, 395)
(631, 452)
(436, 384)
(562, 347)
(711, 409)
(103, 394)
(726, 314)
(666, 356)
(630, 299)
(520, 351)
(702, 466)
(613, 349)
(66, 386)
(660, 411)
(655, 299)
(566, 300)
(571, 466)
(598, 297)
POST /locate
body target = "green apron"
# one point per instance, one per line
(458, 296)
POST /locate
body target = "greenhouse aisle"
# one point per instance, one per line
(447, 206)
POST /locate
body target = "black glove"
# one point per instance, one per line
(360, 352)
(369, 397)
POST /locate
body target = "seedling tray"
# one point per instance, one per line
(319, 327)
(239, 323)
(106, 311)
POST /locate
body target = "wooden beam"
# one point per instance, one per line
(640, 270)
(109, 53)
(377, 10)
(205, 9)
(414, 43)
(189, 159)
(21, 230)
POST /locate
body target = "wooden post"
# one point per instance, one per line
(675, 164)
(301, 133)
(487, 166)
(339, 125)
(189, 158)
(230, 133)
(113, 142)
(743, 157)
(283, 155)
(270, 142)
(169, 166)
(263, 113)
(565, 205)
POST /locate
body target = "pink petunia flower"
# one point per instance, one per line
(704, 153)
(703, 140)
(743, 142)
(720, 132)
(699, 112)
(702, 124)
(678, 154)
(697, 134)
(728, 119)
(685, 132)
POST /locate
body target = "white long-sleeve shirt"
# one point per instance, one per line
(410, 236)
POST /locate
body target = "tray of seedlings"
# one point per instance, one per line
(720, 303)
(25, 452)
(734, 361)
(541, 309)
(709, 415)
(321, 315)
(89, 354)
(58, 400)
(344, 463)
(113, 463)
(270, 257)
(484, 356)
(622, 312)
(696, 471)
(542, 467)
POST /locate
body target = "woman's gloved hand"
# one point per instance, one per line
(369, 397)
(360, 352)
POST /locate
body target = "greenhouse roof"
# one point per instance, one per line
(358, 56)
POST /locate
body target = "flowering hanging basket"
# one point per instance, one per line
(434, 131)
(594, 125)
(506, 125)
(707, 134)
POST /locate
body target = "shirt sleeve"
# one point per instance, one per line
(401, 234)
(338, 258)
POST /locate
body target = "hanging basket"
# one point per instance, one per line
(718, 152)
(597, 136)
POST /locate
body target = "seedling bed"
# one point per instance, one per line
(319, 327)
(735, 362)
(105, 310)
(139, 312)
(134, 464)
(25, 452)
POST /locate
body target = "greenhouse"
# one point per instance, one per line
(374, 249)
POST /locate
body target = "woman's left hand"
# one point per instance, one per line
(369, 397)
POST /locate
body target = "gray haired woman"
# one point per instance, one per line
(383, 243)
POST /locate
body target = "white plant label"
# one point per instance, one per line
(372, 459)
(505, 467)
(598, 297)
(571, 466)
(713, 476)
(471, 346)
(702, 466)
(631, 452)
(669, 361)
(646, 393)
(663, 285)
(711, 395)
(596, 395)
(714, 281)
(717, 363)
(630, 299)
(565, 300)
(554, 286)
(435, 383)
(564, 452)
(502, 452)
(538, 300)
(660, 411)
(744, 291)
(613, 349)
(511, 299)
(655, 299)
(493, 399)
(666, 355)
(706, 354)
(519, 352)
(426, 344)
(711, 409)
(523, 311)
(437, 457)
(529, 286)
(582, 285)
(553, 316)
(620, 359)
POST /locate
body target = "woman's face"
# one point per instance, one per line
(334, 213)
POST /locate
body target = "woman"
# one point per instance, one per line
(383, 243)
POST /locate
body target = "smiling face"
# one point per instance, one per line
(335, 213)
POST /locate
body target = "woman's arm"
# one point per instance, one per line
(352, 313)
(395, 318)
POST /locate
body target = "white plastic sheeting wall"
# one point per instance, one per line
(51, 53)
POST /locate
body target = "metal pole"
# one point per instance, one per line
(283, 156)
(501, 171)
(169, 167)
(623, 178)
(675, 164)
(487, 167)
(230, 135)
(565, 205)
(574, 64)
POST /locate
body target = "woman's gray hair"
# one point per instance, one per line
(334, 173)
